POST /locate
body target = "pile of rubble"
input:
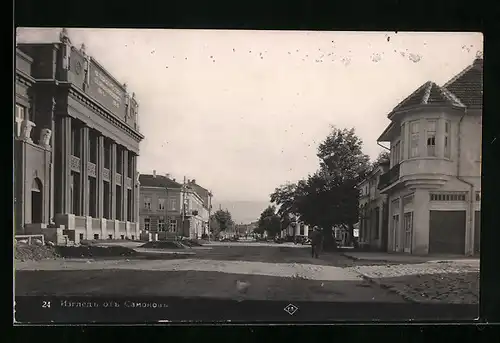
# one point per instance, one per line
(164, 245)
(37, 251)
(34, 252)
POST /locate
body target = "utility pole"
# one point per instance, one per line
(183, 204)
(167, 222)
(209, 213)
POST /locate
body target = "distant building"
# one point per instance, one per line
(434, 182)
(172, 208)
(373, 209)
(75, 148)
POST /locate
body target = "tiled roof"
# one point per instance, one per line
(202, 192)
(428, 94)
(468, 85)
(149, 180)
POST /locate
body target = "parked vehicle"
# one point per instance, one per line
(278, 240)
(306, 241)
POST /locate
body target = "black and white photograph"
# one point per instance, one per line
(167, 175)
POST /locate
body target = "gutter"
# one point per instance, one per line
(471, 188)
(380, 145)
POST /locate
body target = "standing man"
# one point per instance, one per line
(316, 242)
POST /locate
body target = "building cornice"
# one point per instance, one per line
(24, 78)
(92, 104)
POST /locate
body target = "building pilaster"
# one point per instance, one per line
(401, 233)
(84, 160)
(100, 180)
(113, 170)
(124, 184)
(135, 190)
(62, 188)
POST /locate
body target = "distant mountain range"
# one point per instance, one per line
(244, 212)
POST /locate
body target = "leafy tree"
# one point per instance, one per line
(269, 221)
(214, 225)
(222, 220)
(343, 164)
(384, 156)
(329, 197)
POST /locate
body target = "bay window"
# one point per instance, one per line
(396, 153)
(414, 138)
(431, 138)
(403, 135)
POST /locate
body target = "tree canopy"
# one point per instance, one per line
(269, 222)
(221, 221)
(328, 197)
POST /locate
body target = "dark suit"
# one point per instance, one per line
(316, 243)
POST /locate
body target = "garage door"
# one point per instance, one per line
(447, 232)
(477, 232)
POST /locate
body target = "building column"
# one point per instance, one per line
(84, 159)
(62, 187)
(124, 184)
(401, 234)
(100, 179)
(113, 171)
(135, 190)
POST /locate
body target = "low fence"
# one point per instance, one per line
(29, 238)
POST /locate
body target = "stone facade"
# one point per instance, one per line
(82, 147)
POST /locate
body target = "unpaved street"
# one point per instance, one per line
(234, 271)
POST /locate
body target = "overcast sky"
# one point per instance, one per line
(244, 111)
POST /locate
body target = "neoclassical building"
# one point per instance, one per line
(76, 145)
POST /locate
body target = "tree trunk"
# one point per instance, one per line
(350, 234)
(329, 243)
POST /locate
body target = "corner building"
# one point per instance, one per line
(77, 142)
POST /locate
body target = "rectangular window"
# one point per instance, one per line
(402, 146)
(20, 112)
(161, 204)
(147, 224)
(397, 153)
(414, 137)
(147, 203)
(161, 224)
(431, 138)
(130, 164)
(172, 226)
(119, 160)
(19, 117)
(107, 154)
(447, 151)
(172, 204)
(75, 140)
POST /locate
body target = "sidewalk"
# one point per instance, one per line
(406, 258)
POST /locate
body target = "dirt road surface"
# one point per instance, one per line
(233, 271)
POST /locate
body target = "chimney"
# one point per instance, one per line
(154, 173)
(478, 62)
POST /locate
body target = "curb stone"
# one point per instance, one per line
(404, 295)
